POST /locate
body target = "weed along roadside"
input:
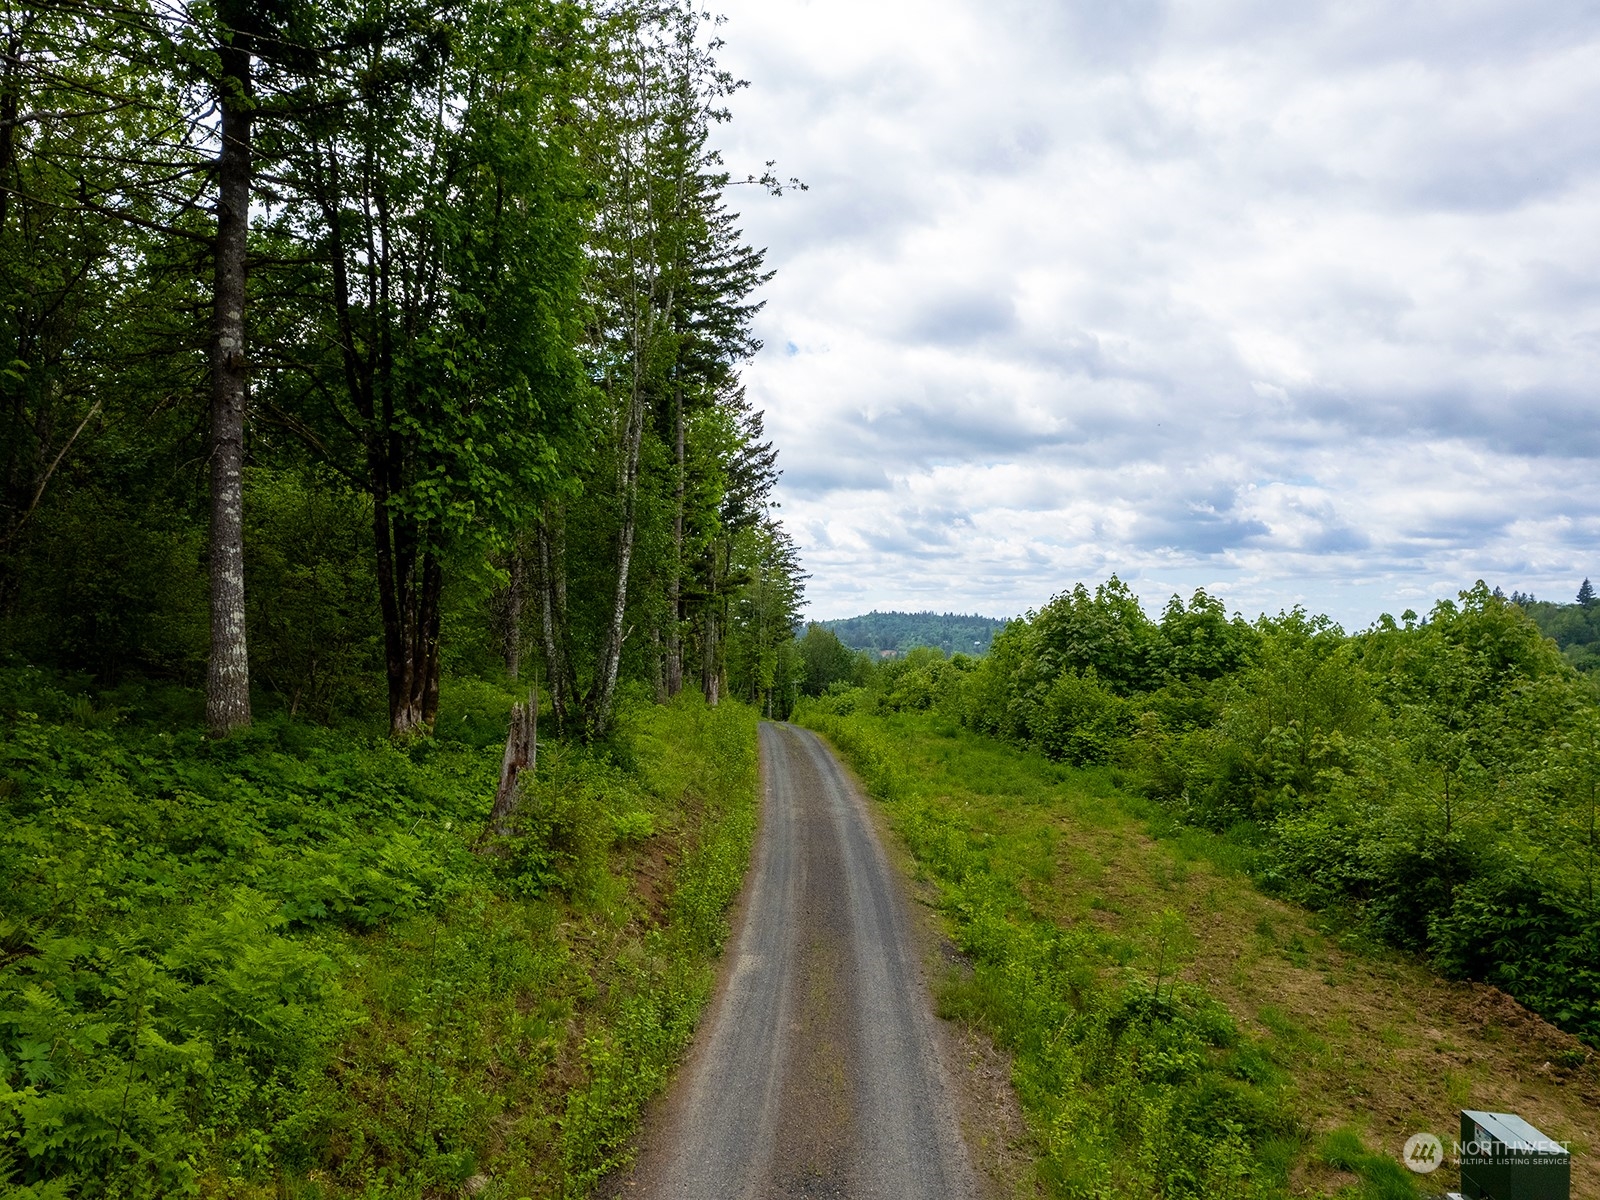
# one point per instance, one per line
(1173, 1030)
(274, 966)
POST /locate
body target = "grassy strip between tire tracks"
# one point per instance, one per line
(1173, 1031)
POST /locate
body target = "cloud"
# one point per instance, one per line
(960, 317)
(1295, 302)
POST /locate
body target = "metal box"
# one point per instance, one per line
(1505, 1158)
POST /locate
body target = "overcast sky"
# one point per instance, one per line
(1296, 302)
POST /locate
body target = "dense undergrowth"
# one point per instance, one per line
(274, 965)
(1433, 783)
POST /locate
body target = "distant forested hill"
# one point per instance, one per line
(1575, 627)
(950, 632)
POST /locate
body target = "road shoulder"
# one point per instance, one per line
(999, 1143)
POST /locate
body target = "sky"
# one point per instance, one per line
(1299, 303)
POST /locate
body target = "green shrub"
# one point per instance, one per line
(1079, 721)
(1401, 776)
(723, 740)
(124, 1046)
(1521, 934)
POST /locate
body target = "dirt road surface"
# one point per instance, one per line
(818, 1072)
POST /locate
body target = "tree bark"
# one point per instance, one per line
(711, 673)
(394, 571)
(553, 616)
(597, 715)
(409, 564)
(410, 582)
(228, 671)
(431, 617)
(522, 754)
(658, 677)
(512, 615)
(674, 681)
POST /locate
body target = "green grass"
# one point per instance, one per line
(273, 965)
(1380, 1178)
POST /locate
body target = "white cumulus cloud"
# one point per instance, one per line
(1299, 303)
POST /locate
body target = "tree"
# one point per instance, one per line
(264, 50)
(638, 150)
(762, 666)
(495, 304)
(443, 193)
(50, 292)
(186, 80)
(751, 474)
(713, 319)
(826, 659)
(1586, 594)
(1200, 642)
(669, 280)
(1106, 631)
(228, 669)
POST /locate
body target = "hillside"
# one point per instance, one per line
(1574, 627)
(274, 965)
(952, 633)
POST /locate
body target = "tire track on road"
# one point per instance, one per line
(817, 1070)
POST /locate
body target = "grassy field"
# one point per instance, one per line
(274, 965)
(1174, 1031)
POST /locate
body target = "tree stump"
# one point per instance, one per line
(522, 752)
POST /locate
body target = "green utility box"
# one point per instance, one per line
(1505, 1158)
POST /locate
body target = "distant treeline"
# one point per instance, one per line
(1431, 781)
(1573, 627)
(953, 633)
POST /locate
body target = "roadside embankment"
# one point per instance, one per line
(1173, 1030)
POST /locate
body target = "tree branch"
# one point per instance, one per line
(38, 492)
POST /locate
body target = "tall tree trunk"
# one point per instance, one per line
(674, 680)
(410, 572)
(711, 673)
(511, 616)
(410, 582)
(658, 677)
(397, 601)
(430, 617)
(228, 672)
(553, 615)
(547, 625)
(602, 693)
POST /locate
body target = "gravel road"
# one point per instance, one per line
(817, 1071)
